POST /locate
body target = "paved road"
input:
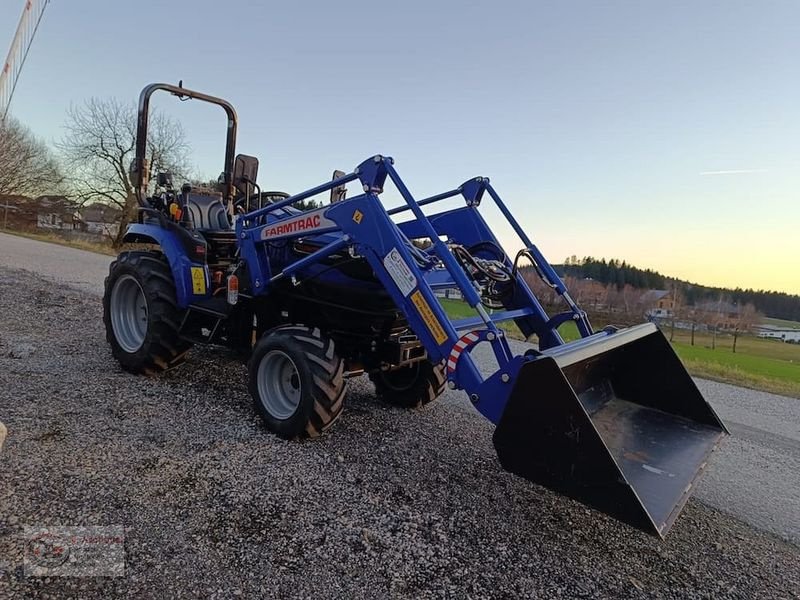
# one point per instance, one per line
(755, 476)
(76, 268)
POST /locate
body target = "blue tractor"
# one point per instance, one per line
(348, 288)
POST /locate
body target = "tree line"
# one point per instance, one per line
(613, 271)
(620, 274)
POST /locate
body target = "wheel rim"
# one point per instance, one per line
(128, 313)
(279, 385)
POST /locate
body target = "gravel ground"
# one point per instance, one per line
(390, 504)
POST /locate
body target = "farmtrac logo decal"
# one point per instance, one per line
(308, 222)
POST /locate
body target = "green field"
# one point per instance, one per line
(781, 323)
(750, 370)
(758, 363)
(458, 309)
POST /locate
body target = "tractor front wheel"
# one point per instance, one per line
(297, 381)
(410, 387)
(141, 314)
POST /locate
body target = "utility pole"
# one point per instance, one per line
(28, 24)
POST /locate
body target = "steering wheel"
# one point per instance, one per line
(261, 199)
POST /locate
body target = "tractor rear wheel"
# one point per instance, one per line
(141, 314)
(297, 381)
(410, 387)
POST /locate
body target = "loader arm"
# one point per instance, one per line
(612, 419)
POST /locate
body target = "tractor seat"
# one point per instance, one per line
(208, 212)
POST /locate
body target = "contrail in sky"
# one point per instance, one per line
(733, 172)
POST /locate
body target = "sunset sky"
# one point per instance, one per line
(665, 134)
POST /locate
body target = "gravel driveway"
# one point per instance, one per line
(390, 503)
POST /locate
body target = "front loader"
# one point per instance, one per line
(349, 288)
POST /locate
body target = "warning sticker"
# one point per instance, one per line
(198, 281)
(400, 272)
(430, 319)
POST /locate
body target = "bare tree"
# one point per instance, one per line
(745, 319)
(631, 303)
(698, 317)
(547, 296)
(677, 311)
(613, 299)
(719, 316)
(594, 294)
(27, 167)
(714, 324)
(99, 146)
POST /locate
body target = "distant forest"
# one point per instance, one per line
(772, 304)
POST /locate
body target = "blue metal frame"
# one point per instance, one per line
(365, 227)
(179, 263)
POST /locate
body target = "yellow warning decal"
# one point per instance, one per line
(357, 216)
(430, 319)
(198, 281)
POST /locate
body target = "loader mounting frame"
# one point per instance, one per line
(578, 417)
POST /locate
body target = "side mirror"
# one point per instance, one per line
(340, 191)
(245, 172)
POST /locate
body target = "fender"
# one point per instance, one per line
(185, 251)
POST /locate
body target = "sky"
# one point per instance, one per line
(663, 133)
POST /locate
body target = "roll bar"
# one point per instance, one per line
(140, 167)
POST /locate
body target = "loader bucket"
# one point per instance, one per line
(613, 421)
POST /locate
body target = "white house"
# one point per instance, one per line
(54, 213)
(101, 219)
(659, 303)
